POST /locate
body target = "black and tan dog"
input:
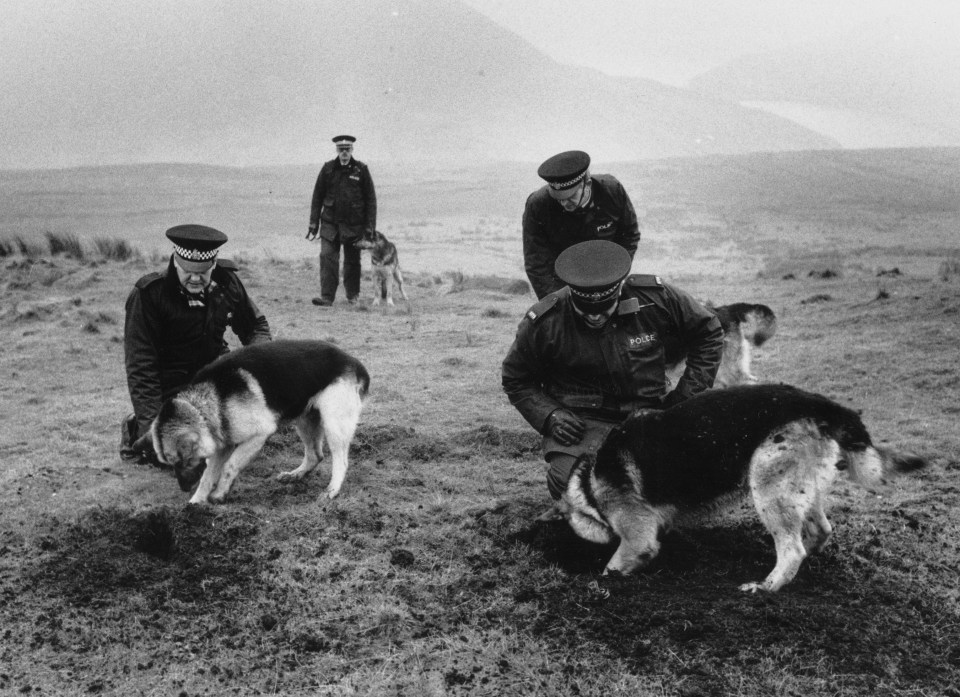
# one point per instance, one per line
(775, 443)
(217, 424)
(745, 326)
(385, 265)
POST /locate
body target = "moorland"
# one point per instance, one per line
(429, 574)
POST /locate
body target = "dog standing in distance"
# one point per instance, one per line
(216, 425)
(385, 266)
(745, 326)
(782, 446)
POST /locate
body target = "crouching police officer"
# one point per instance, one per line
(175, 323)
(588, 355)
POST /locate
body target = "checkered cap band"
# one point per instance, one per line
(195, 254)
(596, 296)
(568, 184)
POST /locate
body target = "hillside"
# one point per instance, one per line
(908, 197)
(901, 86)
(258, 82)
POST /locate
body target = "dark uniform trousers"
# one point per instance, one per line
(333, 237)
(605, 375)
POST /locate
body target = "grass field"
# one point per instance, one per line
(428, 575)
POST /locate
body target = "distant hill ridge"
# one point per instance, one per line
(260, 82)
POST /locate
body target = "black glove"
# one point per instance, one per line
(312, 233)
(565, 427)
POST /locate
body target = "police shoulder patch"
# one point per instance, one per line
(644, 280)
(542, 307)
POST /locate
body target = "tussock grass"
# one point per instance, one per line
(114, 249)
(18, 246)
(949, 269)
(65, 244)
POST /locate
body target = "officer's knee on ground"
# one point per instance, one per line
(560, 466)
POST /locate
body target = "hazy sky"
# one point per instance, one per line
(674, 40)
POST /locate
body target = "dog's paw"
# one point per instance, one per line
(291, 476)
(752, 587)
(196, 500)
(332, 491)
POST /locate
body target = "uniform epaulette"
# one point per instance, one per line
(228, 264)
(542, 307)
(644, 280)
(149, 278)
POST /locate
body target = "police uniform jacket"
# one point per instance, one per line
(548, 229)
(166, 340)
(344, 195)
(557, 361)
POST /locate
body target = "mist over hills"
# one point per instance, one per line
(255, 82)
(898, 87)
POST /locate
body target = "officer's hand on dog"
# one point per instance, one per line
(565, 427)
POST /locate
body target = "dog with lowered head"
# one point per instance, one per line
(215, 426)
(779, 445)
(386, 267)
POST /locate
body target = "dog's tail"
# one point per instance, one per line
(363, 380)
(873, 466)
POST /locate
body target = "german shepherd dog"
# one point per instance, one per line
(745, 326)
(782, 446)
(216, 425)
(386, 267)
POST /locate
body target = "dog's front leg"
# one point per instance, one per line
(377, 285)
(240, 458)
(638, 529)
(745, 361)
(398, 277)
(210, 476)
(388, 287)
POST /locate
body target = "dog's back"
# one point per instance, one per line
(289, 372)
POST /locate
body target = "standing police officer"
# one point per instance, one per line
(573, 207)
(588, 355)
(345, 209)
(175, 323)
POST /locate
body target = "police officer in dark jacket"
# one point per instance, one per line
(175, 324)
(573, 207)
(344, 208)
(588, 355)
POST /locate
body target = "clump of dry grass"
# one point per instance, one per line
(949, 269)
(67, 244)
(114, 249)
(21, 247)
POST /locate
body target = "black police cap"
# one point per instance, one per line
(344, 141)
(565, 169)
(593, 269)
(196, 242)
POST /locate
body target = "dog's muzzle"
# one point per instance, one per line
(188, 476)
